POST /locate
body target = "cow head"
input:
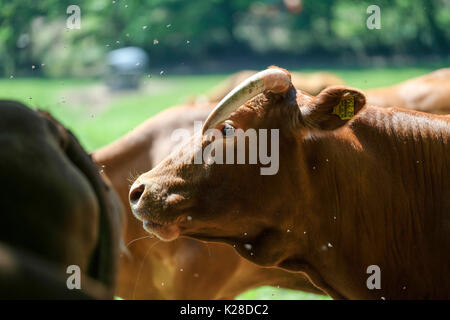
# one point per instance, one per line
(243, 204)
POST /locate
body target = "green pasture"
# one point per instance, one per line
(102, 121)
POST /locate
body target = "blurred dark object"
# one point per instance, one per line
(66, 213)
(24, 275)
(125, 67)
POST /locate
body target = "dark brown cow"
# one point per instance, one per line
(427, 93)
(186, 268)
(355, 187)
(56, 211)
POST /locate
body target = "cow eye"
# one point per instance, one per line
(227, 130)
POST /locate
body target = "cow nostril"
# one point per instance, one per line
(136, 193)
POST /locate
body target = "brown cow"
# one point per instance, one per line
(354, 191)
(428, 93)
(186, 268)
(56, 211)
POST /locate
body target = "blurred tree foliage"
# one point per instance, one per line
(34, 33)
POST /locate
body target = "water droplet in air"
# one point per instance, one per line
(155, 41)
(169, 25)
(11, 76)
(187, 41)
(245, 233)
(162, 283)
(144, 27)
(181, 269)
(189, 218)
(196, 275)
(288, 230)
(383, 298)
(248, 246)
(33, 67)
(329, 245)
(162, 72)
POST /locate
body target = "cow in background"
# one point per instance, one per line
(427, 93)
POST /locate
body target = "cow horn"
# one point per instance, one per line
(270, 80)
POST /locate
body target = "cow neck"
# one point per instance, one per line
(332, 166)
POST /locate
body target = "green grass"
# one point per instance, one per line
(272, 293)
(96, 128)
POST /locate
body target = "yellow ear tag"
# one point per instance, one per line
(345, 109)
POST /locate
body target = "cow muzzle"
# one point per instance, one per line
(160, 213)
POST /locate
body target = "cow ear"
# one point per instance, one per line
(332, 108)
